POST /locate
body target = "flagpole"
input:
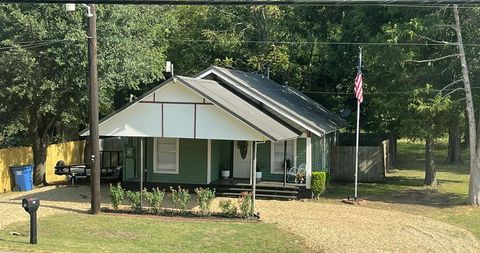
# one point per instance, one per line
(357, 132)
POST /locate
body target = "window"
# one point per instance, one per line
(166, 155)
(278, 158)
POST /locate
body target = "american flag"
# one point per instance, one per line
(359, 87)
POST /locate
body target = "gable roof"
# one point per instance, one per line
(239, 108)
(288, 102)
(214, 93)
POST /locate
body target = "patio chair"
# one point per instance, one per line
(294, 173)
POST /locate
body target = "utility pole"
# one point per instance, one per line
(93, 89)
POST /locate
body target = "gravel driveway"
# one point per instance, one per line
(325, 227)
(345, 228)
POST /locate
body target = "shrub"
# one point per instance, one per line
(117, 194)
(229, 209)
(205, 198)
(319, 180)
(180, 198)
(155, 199)
(135, 199)
(245, 204)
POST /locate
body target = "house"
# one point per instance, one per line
(187, 130)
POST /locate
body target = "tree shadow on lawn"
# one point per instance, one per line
(68, 209)
(76, 194)
(400, 190)
(81, 194)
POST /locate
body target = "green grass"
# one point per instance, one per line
(106, 233)
(403, 190)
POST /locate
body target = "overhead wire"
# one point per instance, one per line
(372, 93)
(16, 46)
(407, 44)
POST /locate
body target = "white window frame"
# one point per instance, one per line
(272, 156)
(155, 168)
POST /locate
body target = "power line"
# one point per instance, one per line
(258, 2)
(372, 93)
(37, 44)
(340, 43)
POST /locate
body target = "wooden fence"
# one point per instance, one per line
(373, 163)
(70, 152)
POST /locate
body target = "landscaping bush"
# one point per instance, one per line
(319, 183)
(180, 198)
(117, 194)
(205, 198)
(245, 205)
(155, 199)
(135, 199)
(229, 209)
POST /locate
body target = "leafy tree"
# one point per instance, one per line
(44, 60)
(427, 121)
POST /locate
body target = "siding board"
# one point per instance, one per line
(192, 164)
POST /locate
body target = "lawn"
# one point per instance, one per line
(87, 233)
(403, 190)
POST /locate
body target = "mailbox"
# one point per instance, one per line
(31, 204)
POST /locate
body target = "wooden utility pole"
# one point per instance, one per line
(93, 89)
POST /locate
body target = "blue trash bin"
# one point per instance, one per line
(23, 177)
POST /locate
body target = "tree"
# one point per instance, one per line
(427, 120)
(474, 186)
(43, 74)
(456, 119)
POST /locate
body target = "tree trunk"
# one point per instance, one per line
(39, 147)
(454, 145)
(86, 152)
(430, 170)
(474, 186)
(392, 150)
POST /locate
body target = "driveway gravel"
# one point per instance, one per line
(346, 228)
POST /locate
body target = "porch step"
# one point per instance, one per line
(259, 190)
(265, 189)
(258, 195)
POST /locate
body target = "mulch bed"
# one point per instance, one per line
(172, 214)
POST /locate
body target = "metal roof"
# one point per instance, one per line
(239, 108)
(288, 102)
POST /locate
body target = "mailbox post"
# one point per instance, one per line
(31, 206)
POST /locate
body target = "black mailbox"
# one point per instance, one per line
(31, 204)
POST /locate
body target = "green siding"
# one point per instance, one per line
(132, 165)
(193, 159)
(222, 157)
(301, 151)
(321, 152)
(263, 159)
(264, 156)
(192, 163)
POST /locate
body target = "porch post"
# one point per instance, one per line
(254, 174)
(209, 161)
(308, 162)
(142, 171)
(284, 163)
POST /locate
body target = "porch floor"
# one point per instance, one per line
(264, 189)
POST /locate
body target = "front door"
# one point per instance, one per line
(242, 159)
